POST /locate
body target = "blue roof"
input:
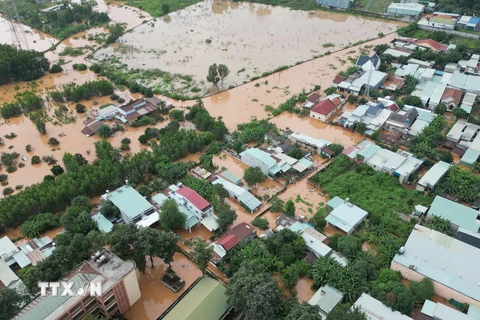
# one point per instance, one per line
(457, 213)
(335, 202)
(369, 151)
(373, 111)
(470, 156)
(230, 176)
(103, 224)
(129, 201)
(474, 21)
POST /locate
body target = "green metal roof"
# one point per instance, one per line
(335, 202)
(305, 162)
(369, 151)
(44, 306)
(192, 222)
(103, 224)
(205, 301)
(468, 109)
(230, 176)
(458, 214)
(129, 201)
(159, 198)
(260, 155)
(275, 169)
(470, 157)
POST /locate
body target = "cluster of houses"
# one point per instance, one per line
(126, 113)
(464, 140)
(450, 21)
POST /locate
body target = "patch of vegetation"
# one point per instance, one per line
(152, 7)
(21, 65)
(260, 223)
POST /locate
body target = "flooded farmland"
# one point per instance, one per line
(249, 38)
(33, 39)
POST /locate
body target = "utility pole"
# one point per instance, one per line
(10, 13)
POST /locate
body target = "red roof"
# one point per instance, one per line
(324, 107)
(393, 107)
(338, 79)
(431, 44)
(451, 93)
(228, 241)
(192, 196)
(314, 97)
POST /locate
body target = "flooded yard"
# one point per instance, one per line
(249, 38)
(156, 297)
(305, 293)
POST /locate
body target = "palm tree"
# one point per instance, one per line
(440, 224)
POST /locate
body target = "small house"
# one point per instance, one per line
(369, 63)
(241, 233)
(433, 176)
(345, 215)
(326, 108)
(311, 100)
(335, 4)
(326, 298)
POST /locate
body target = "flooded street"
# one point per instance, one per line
(249, 38)
(156, 297)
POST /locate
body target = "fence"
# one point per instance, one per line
(454, 32)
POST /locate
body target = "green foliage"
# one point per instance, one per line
(426, 142)
(439, 224)
(55, 68)
(293, 272)
(422, 290)
(167, 6)
(36, 160)
(296, 153)
(104, 131)
(409, 86)
(330, 90)
(80, 108)
(253, 175)
(21, 65)
(38, 224)
(177, 115)
(394, 295)
(350, 246)
(226, 216)
(170, 215)
(413, 101)
(206, 123)
(260, 223)
(345, 311)
(143, 121)
(287, 246)
(441, 108)
(78, 221)
(202, 254)
(360, 127)
(337, 148)
(461, 184)
(213, 77)
(53, 142)
(109, 210)
(305, 311)
(98, 88)
(11, 301)
(10, 110)
(460, 113)
(276, 204)
(289, 208)
(116, 30)
(352, 98)
(351, 70)
(171, 171)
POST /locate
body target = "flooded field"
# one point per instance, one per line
(156, 297)
(249, 38)
(33, 39)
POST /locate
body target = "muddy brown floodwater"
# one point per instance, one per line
(245, 36)
(33, 39)
(156, 297)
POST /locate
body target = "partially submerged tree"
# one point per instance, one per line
(253, 175)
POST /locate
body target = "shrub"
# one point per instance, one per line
(55, 68)
(8, 191)
(260, 223)
(80, 108)
(53, 142)
(79, 66)
(177, 115)
(114, 97)
(36, 160)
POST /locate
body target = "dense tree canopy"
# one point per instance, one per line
(10, 302)
(170, 215)
(21, 65)
(253, 175)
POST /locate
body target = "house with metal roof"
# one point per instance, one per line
(430, 93)
(8, 278)
(334, 4)
(345, 215)
(405, 9)
(433, 176)
(313, 144)
(474, 23)
(314, 240)
(369, 63)
(204, 300)
(451, 264)
(326, 108)
(311, 100)
(227, 175)
(458, 214)
(326, 298)
(241, 233)
(423, 120)
(38, 249)
(241, 195)
(103, 224)
(442, 22)
(376, 310)
(465, 82)
(134, 208)
(254, 157)
(473, 153)
(13, 256)
(401, 120)
(439, 311)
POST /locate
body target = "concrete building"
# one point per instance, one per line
(413, 10)
(401, 120)
(254, 157)
(314, 240)
(423, 120)
(442, 22)
(376, 310)
(13, 257)
(345, 215)
(241, 233)
(191, 201)
(313, 144)
(448, 262)
(326, 108)
(335, 4)
(120, 291)
(326, 298)
(134, 208)
(430, 93)
(204, 300)
(458, 214)
(274, 163)
(433, 176)
(465, 82)
(191, 219)
(242, 196)
(452, 98)
(132, 111)
(311, 100)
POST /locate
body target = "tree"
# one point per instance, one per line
(177, 115)
(38, 224)
(123, 240)
(413, 101)
(380, 49)
(81, 201)
(296, 153)
(79, 224)
(460, 113)
(10, 302)
(344, 311)
(109, 210)
(352, 99)
(304, 311)
(276, 204)
(213, 76)
(394, 295)
(253, 175)
(254, 291)
(156, 243)
(223, 72)
(202, 254)
(289, 208)
(21, 65)
(53, 142)
(287, 246)
(422, 290)
(360, 127)
(260, 223)
(226, 216)
(441, 108)
(55, 68)
(28, 148)
(170, 216)
(165, 8)
(445, 155)
(349, 246)
(40, 125)
(80, 108)
(104, 131)
(116, 31)
(440, 224)
(57, 170)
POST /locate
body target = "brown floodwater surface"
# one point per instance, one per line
(249, 36)
(34, 39)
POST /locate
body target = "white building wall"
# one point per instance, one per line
(131, 287)
(254, 162)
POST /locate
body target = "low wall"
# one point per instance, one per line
(454, 32)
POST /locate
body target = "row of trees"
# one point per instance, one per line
(21, 65)
(25, 102)
(73, 92)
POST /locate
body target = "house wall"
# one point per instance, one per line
(182, 201)
(440, 289)
(441, 25)
(132, 289)
(125, 217)
(318, 116)
(254, 162)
